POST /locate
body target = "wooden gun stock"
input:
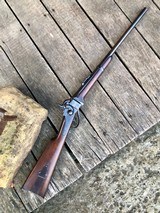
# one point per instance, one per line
(41, 174)
(39, 178)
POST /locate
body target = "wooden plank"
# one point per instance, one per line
(157, 3)
(10, 77)
(10, 202)
(57, 50)
(66, 171)
(135, 53)
(150, 26)
(11, 51)
(48, 90)
(130, 99)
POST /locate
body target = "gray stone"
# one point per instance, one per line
(20, 123)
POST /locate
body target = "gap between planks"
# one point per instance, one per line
(19, 81)
(156, 3)
(80, 54)
(51, 123)
(89, 67)
(48, 119)
(66, 145)
(137, 30)
(20, 199)
(109, 148)
(123, 61)
(119, 57)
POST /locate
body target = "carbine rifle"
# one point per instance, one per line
(41, 174)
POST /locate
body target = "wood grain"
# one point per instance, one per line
(119, 84)
(66, 171)
(76, 71)
(137, 56)
(53, 65)
(157, 3)
(9, 77)
(49, 92)
(10, 202)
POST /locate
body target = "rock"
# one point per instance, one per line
(20, 123)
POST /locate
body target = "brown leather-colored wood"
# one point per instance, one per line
(41, 174)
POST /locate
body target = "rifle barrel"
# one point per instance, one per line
(90, 80)
(134, 23)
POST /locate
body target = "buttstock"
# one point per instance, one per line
(41, 174)
(38, 180)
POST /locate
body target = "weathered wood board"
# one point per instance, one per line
(58, 59)
(7, 70)
(136, 54)
(86, 39)
(10, 202)
(50, 48)
(157, 3)
(150, 26)
(66, 171)
(52, 93)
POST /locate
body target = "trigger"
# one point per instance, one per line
(76, 120)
